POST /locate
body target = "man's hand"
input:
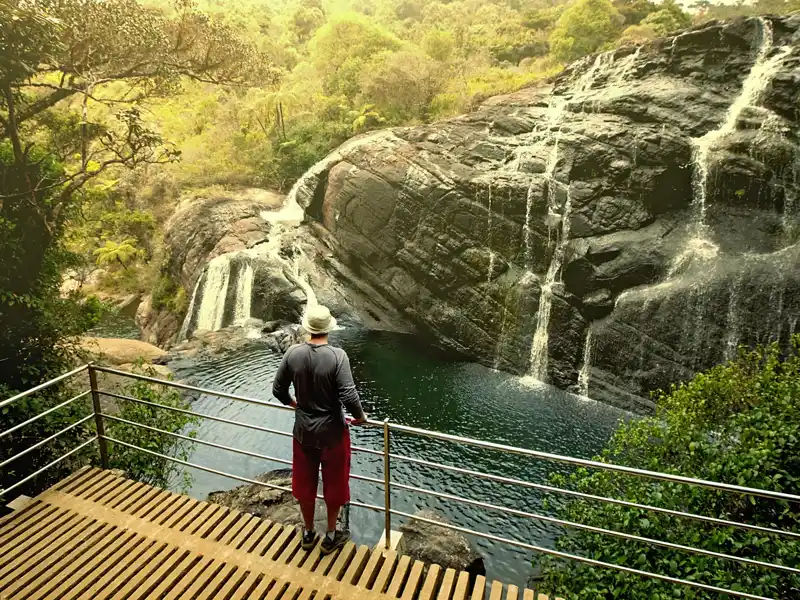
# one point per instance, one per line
(360, 421)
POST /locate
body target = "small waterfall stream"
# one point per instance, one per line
(583, 375)
(242, 308)
(211, 312)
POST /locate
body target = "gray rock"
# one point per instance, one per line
(439, 545)
(455, 224)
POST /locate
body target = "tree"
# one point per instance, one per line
(637, 34)
(737, 423)
(402, 84)
(670, 18)
(584, 27)
(121, 253)
(342, 47)
(60, 60)
(633, 11)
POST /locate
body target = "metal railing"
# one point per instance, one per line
(388, 484)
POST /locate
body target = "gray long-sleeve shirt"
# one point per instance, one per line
(323, 384)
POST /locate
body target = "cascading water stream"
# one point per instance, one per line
(583, 375)
(242, 308)
(187, 321)
(215, 291)
(753, 87)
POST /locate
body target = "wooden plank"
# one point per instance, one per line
(61, 531)
(212, 518)
(479, 589)
(370, 572)
(172, 509)
(258, 536)
(118, 564)
(230, 586)
(462, 586)
(339, 567)
(178, 573)
(78, 563)
(36, 568)
(448, 583)
(30, 524)
(431, 581)
(411, 587)
(159, 507)
(246, 587)
(172, 519)
(113, 496)
(249, 524)
(281, 542)
(288, 594)
(267, 584)
(512, 593)
(201, 580)
(81, 575)
(528, 595)
(73, 480)
(385, 574)
(542, 597)
(183, 583)
(306, 594)
(168, 565)
(212, 588)
(496, 591)
(140, 570)
(142, 502)
(11, 520)
(399, 577)
(187, 518)
(91, 484)
(356, 566)
(107, 484)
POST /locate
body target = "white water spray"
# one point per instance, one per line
(242, 308)
(583, 376)
(215, 291)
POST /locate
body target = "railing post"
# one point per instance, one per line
(98, 417)
(387, 491)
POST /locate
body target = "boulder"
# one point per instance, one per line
(433, 544)
(573, 209)
(114, 351)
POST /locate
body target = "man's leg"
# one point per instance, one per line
(305, 476)
(336, 489)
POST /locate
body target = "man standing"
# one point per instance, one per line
(323, 385)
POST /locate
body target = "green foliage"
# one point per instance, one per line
(169, 295)
(637, 34)
(117, 253)
(670, 18)
(737, 423)
(138, 465)
(584, 27)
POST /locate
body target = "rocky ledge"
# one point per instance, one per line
(613, 231)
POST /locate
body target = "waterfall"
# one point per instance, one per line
(541, 337)
(733, 322)
(753, 87)
(214, 293)
(583, 376)
(489, 237)
(244, 294)
(187, 321)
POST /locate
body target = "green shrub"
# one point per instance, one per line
(738, 423)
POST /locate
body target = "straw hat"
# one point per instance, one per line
(317, 320)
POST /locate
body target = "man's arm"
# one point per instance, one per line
(282, 381)
(347, 390)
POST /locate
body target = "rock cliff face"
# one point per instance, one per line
(617, 229)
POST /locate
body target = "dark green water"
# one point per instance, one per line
(414, 385)
(116, 325)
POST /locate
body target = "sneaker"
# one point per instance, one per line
(309, 540)
(332, 545)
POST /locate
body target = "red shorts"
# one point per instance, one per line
(335, 463)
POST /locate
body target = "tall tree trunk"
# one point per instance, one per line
(283, 124)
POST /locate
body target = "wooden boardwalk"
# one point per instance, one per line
(99, 536)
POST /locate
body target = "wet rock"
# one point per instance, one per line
(433, 544)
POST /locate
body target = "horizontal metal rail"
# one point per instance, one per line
(583, 559)
(229, 475)
(45, 441)
(225, 448)
(584, 496)
(43, 386)
(727, 487)
(491, 445)
(5, 491)
(599, 530)
(218, 419)
(43, 414)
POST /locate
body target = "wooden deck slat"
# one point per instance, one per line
(386, 572)
(81, 576)
(448, 583)
(496, 591)
(129, 554)
(99, 536)
(479, 589)
(462, 586)
(411, 587)
(399, 577)
(75, 561)
(431, 581)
